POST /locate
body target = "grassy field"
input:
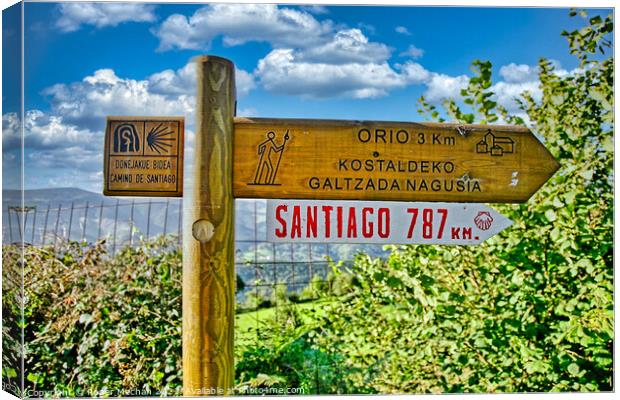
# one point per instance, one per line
(248, 324)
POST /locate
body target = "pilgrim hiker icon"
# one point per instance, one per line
(269, 162)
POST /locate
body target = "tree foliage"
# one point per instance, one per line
(531, 309)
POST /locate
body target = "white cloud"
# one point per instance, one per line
(244, 82)
(281, 71)
(413, 52)
(170, 82)
(74, 15)
(441, 87)
(54, 148)
(414, 73)
(88, 102)
(74, 158)
(517, 78)
(517, 73)
(43, 131)
(402, 30)
(507, 92)
(11, 132)
(346, 46)
(238, 24)
(367, 28)
(309, 58)
(315, 9)
(346, 65)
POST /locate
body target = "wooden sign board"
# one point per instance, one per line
(337, 221)
(143, 156)
(370, 160)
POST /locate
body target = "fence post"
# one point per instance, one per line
(8, 213)
(56, 227)
(47, 214)
(21, 224)
(208, 245)
(115, 224)
(34, 224)
(166, 217)
(100, 220)
(70, 223)
(131, 224)
(85, 221)
(148, 220)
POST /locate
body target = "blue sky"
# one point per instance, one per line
(85, 61)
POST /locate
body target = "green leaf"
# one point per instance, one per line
(34, 378)
(550, 215)
(587, 174)
(608, 144)
(573, 369)
(569, 197)
(393, 282)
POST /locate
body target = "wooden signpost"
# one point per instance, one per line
(208, 238)
(371, 160)
(324, 162)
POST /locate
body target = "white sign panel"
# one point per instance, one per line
(334, 221)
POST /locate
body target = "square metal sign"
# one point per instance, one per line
(143, 156)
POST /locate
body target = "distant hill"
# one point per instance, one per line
(53, 197)
(56, 204)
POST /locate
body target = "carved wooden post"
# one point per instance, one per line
(208, 238)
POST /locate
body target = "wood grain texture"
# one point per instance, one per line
(208, 238)
(375, 160)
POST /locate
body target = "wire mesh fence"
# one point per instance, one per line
(259, 264)
(121, 222)
(275, 281)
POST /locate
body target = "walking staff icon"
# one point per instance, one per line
(269, 162)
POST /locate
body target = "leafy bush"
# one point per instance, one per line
(531, 309)
(284, 357)
(12, 322)
(99, 325)
(317, 287)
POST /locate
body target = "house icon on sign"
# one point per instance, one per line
(496, 145)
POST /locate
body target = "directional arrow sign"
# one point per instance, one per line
(337, 221)
(369, 160)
